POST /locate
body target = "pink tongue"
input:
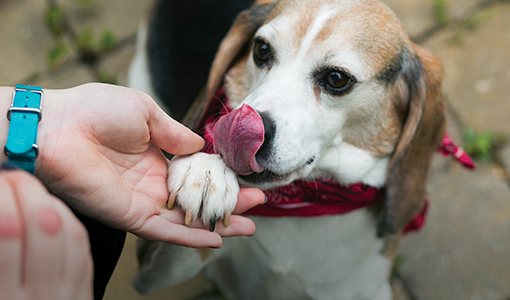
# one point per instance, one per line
(237, 137)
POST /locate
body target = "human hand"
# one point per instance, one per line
(100, 152)
(44, 249)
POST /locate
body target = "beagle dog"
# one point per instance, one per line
(314, 96)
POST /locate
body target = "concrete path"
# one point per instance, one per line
(463, 252)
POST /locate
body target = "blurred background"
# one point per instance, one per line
(462, 253)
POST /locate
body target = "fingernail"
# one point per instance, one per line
(265, 200)
(8, 167)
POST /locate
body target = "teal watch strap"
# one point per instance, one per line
(24, 116)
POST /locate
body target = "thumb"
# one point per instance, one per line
(172, 136)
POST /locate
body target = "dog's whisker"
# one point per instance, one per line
(316, 184)
(219, 100)
(201, 132)
(214, 96)
(224, 106)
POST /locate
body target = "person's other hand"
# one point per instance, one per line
(44, 249)
(100, 151)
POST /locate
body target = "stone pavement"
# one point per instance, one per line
(463, 252)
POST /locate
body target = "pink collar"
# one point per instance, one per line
(323, 196)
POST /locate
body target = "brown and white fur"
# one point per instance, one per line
(381, 132)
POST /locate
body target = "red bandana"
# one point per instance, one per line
(322, 196)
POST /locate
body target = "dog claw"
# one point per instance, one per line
(187, 218)
(212, 223)
(226, 219)
(171, 200)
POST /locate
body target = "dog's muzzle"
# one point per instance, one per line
(238, 136)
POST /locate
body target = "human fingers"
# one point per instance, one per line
(172, 136)
(77, 267)
(242, 226)
(47, 240)
(239, 226)
(248, 198)
(11, 241)
(169, 227)
(43, 238)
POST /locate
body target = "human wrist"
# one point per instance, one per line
(47, 126)
(5, 103)
(50, 126)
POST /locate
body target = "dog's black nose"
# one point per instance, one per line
(264, 152)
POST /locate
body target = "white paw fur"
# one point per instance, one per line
(204, 187)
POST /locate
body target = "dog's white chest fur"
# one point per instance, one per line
(335, 257)
(332, 257)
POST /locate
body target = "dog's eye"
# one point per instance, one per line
(262, 52)
(334, 81)
(337, 80)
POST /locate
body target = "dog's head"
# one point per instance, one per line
(324, 74)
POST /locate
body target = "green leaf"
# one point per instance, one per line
(479, 144)
(479, 19)
(86, 40)
(58, 53)
(84, 2)
(106, 77)
(107, 40)
(55, 21)
(33, 77)
(440, 12)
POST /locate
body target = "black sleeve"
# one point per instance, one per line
(106, 245)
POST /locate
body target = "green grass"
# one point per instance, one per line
(55, 21)
(478, 19)
(440, 12)
(482, 145)
(58, 53)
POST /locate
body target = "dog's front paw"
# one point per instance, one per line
(204, 187)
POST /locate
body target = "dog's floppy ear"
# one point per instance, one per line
(419, 102)
(232, 46)
(239, 36)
